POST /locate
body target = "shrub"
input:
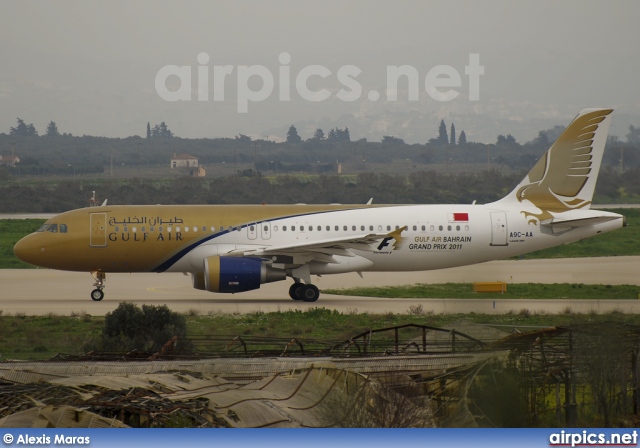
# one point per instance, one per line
(130, 328)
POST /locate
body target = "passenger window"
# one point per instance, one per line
(380, 228)
(177, 229)
(370, 228)
(143, 229)
(252, 228)
(440, 228)
(293, 228)
(388, 228)
(328, 228)
(415, 228)
(362, 228)
(397, 227)
(345, 228)
(432, 228)
(126, 229)
(353, 228)
(319, 228)
(310, 228)
(284, 228)
(275, 228)
(168, 229)
(466, 227)
(204, 229)
(449, 228)
(160, 229)
(151, 229)
(266, 228)
(337, 228)
(458, 228)
(424, 228)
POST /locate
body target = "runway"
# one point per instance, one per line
(41, 291)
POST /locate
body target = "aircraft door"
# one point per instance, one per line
(265, 228)
(97, 230)
(498, 229)
(252, 231)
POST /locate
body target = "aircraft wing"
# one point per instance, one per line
(322, 250)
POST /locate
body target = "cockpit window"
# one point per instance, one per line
(53, 228)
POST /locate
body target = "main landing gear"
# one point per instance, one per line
(306, 293)
(100, 277)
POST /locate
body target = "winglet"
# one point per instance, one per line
(565, 177)
(370, 201)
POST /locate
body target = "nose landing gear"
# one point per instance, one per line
(100, 278)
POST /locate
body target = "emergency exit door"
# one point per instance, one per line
(98, 230)
(498, 229)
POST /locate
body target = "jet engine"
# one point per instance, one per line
(235, 274)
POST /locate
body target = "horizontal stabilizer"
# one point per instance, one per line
(578, 222)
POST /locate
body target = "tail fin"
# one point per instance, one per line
(565, 177)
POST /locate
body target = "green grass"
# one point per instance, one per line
(11, 230)
(41, 337)
(514, 291)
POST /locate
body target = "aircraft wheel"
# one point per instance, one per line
(310, 293)
(295, 291)
(97, 295)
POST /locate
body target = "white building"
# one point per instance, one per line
(184, 160)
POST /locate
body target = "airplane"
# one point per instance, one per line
(237, 248)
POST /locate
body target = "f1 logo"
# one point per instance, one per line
(385, 242)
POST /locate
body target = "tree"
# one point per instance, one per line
(148, 130)
(243, 138)
(292, 135)
(52, 130)
(633, 137)
(23, 129)
(344, 135)
(161, 131)
(318, 135)
(443, 138)
(462, 140)
(508, 140)
(130, 328)
(388, 139)
(453, 134)
(339, 135)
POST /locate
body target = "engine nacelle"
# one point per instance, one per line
(235, 274)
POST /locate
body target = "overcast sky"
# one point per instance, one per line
(91, 66)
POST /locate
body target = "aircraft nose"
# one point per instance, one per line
(26, 251)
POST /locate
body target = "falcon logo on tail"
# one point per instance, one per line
(564, 178)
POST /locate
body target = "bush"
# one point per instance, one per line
(130, 328)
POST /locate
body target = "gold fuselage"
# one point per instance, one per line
(141, 238)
